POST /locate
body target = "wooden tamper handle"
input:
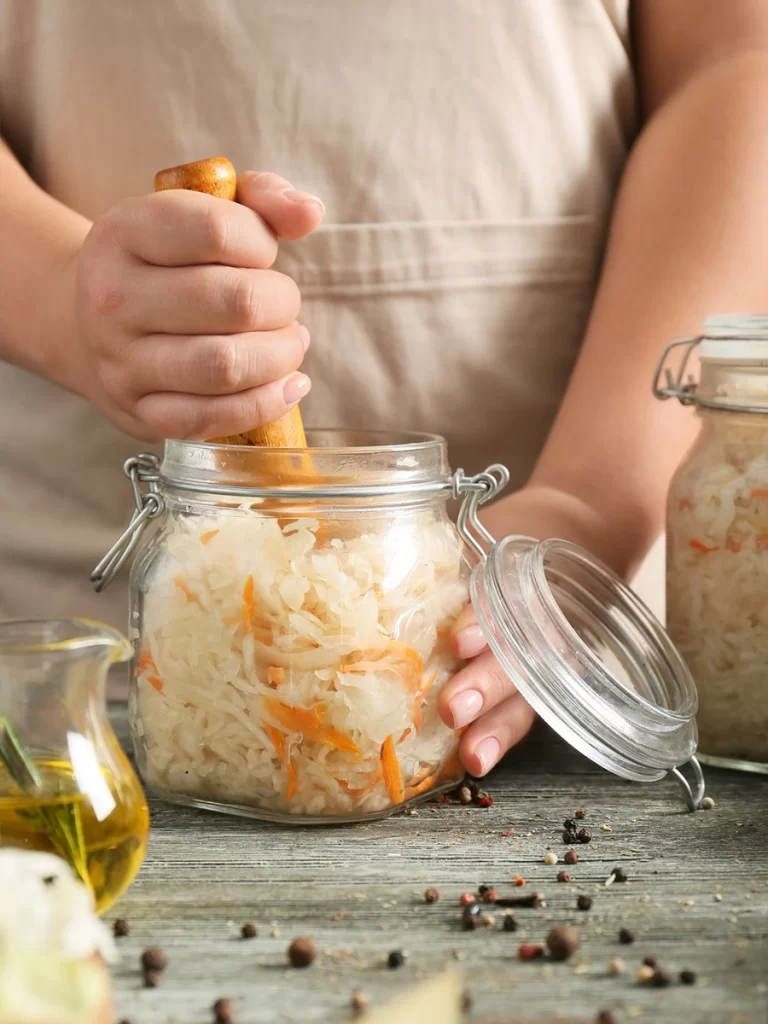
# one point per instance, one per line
(218, 177)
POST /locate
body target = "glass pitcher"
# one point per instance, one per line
(65, 784)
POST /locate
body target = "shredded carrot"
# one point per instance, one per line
(278, 741)
(422, 787)
(374, 779)
(703, 548)
(207, 537)
(405, 734)
(759, 492)
(249, 605)
(292, 780)
(404, 661)
(190, 595)
(425, 685)
(734, 545)
(309, 724)
(146, 661)
(275, 675)
(393, 777)
(156, 682)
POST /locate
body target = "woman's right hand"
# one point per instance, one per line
(183, 330)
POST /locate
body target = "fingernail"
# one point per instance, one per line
(305, 337)
(488, 753)
(302, 197)
(296, 387)
(465, 707)
(469, 641)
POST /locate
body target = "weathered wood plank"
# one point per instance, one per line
(358, 891)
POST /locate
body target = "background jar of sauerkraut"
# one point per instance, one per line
(290, 651)
(717, 543)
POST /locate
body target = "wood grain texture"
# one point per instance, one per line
(359, 892)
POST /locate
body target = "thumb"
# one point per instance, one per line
(291, 214)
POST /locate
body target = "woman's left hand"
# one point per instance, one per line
(482, 697)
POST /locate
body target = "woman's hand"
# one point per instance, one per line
(183, 331)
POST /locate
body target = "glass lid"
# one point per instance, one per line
(589, 657)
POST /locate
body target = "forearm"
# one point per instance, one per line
(689, 237)
(38, 239)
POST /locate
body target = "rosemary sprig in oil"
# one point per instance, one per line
(60, 822)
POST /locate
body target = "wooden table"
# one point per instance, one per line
(697, 898)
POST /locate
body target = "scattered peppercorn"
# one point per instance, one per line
(606, 1017)
(466, 1000)
(302, 952)
(152, 978)
(661, 978)
(249, 931)
(49, 880)
(487, 920)
(528, 951)
(223, 1011)
(510, 924)
(644, 975)
(616, 966)
(465, 795)
(121, 928)
(359, 1003)
(465, 899)
(563, 876)
(584, 902)
(431, 896)
(563, 941)
(154, 959)
(707, 803)
(485, 800)
(571, 857)
(584, 835)
(570, 825)
(619, 875)
(469, 922)
(650, 961)
(483, 889)
(534, 901)
(490, 896)
(687, 978)
(395, 959)
(519, 881)
(570, 837)
(580, 813)
(550, 858)
(626, 936)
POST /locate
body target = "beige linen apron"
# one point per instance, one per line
(467, 151)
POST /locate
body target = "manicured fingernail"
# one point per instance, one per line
(465, 707)
(470, 641)
(488, 753)
(304, 336)
(302, 197)
(295, 388)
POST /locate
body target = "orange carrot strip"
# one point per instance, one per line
(309, 724)
(190, 595)
(703, 548)
(278, 741)
(393, 777)
(292, 780)
(759, 492)
(146, 661)
(404, 735)
(207, 537)
(249, 606)
(156, 682)
(275, 675)
(345, 786)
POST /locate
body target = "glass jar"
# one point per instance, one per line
(66, 787)
(291, 622)
(717, 539)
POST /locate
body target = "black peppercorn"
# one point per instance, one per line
(249, 931)
(395, 959)
(152, 978)
(466, 1000)
(584, 835)
(584, 902)
(650, 961)
(121, 928)
(223, 1011)
(570, 825)
(605, 1017)
(431, 896)
(510, 924)
(302, 952)
(571, 857)
(570, 837)
(359, 1003)
(619, 875)
(154, 959)
(660, 978)
(562, 942)
(563, 876)
(469, 922)
(626, 936)
(687, 977)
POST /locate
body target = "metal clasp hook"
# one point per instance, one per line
(476, 491)
(675, 386)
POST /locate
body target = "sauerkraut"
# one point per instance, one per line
(295, 666)
(717, 582)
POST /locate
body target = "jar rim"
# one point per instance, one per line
(372, 441)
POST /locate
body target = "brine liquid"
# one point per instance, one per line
(105, 854)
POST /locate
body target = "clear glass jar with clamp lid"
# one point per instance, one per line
(291, 630)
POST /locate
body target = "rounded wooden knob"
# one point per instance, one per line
(215, 176)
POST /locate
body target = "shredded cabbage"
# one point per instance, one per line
(296, 666)
(717, 582)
